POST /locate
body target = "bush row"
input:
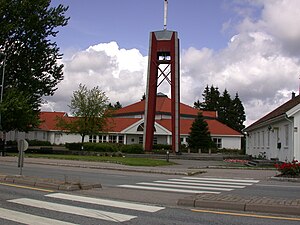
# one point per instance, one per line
(30, 142)
(106, 147)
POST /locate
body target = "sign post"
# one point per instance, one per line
(22, 147)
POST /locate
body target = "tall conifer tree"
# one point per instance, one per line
(199, 137)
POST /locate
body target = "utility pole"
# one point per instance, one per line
(2, 139)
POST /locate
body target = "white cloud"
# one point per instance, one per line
(259, 63)
(118, 72)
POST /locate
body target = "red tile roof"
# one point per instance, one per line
(48, 120)
(281, 110)
(119, 124)
(163, 105)
(215, 127)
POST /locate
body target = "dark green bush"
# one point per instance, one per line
(38, 143)
(73, 146)
(100, 147)
(162, 147)
(132, 149)
(11, 143)
(40, 151)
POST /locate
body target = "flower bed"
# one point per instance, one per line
(289, 169)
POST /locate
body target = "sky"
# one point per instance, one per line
(249, 47)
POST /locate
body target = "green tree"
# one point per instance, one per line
(199, 136)
(225, 108)
(117, 105)
(17, 111)
(28, 28)
(238, 114)
(90, 108)
(211, 98)
(230, 111)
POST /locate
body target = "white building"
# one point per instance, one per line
(126, 126)
(277, 134)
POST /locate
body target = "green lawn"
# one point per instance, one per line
(118, 160)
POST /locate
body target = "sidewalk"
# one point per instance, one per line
(243, 203)
(184, 167)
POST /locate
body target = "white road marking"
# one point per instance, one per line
(199, 184)
(167, 189)
(185, 186)
(105, 202)
(221, 179)
(212, 182)
(25, 218)
(97, 214)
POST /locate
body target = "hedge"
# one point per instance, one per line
(106, 147)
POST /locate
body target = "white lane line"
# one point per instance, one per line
(97, 214)
(112, 203)
(25, 218)
(185, 186)
(167, 189)
(198, 184)
(221, 179)
(211, 182)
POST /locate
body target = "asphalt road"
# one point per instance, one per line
(128, 185)
(19, 205)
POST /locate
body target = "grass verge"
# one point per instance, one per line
(107, 159)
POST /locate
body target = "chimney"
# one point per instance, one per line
(293, 95)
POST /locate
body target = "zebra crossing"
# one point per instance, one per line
(70, 209)
(193, 185)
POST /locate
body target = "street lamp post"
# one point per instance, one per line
(2, 141)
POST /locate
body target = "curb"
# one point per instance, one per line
(188, 173)
(285, 179)
(242, 203)
(47, 183)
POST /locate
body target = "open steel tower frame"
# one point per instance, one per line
(163, 50)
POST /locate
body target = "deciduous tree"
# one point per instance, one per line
(90, 108)
(27, 32)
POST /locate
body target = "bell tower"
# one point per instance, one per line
(163, 65)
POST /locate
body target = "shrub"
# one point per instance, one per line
(100, 147)
(38, 143)
(11, 143)
(132, 149)
(162, 147)
(73, 146)
(289, 169)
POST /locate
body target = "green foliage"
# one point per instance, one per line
(199, 137)
(225, 112)
(238, 114)
(38, 143)
(230, 111)
(106, 147)
(18, 111)
(132, 149)
(28, 28)
(100, 147)
(117, 105)
(162, 146)
(73, 146)
(211, 97)
(90, 107)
